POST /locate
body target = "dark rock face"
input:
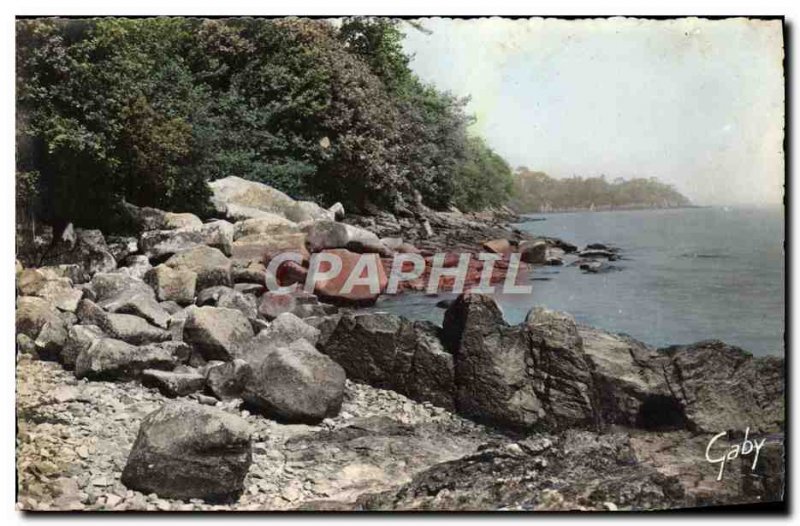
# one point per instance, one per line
(187, 450)
(722, 387)
(295, 384)
(521, 376)
(534, 252)
(577, 470)
(109, 359)
(390, 352)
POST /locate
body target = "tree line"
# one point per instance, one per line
(538, 192)
(148, 110)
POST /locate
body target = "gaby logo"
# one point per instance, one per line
(721, 456)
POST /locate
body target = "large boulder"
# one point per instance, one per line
(330, 234)
(160, 244)
(37, 319)
(389, 352)
(210, 265)
(216, 333)
(107, 286)
(264, 247)
(58, 291)
(722, 387)
(146, 218)
(271, 224)
(126, 327)
(86, 248)
(239, 199)
(533, 374)
(139, 303)
(295, 384)
(361, 294)
(110, 359)
(190, 451)
(171, 284)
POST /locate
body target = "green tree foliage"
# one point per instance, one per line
(148, 110)
(485, 179)
(538, 192)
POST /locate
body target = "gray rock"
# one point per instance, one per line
(110, 359)
(221, 296)
(137, 266)
(37, 319)
(330, 234)
(170, 284)
(211, 266)
(216, 333)
(126, 327)
(299, 303)
(49, 286)
(282, 332)
(122, 246)
(271, 224)
(109, 285)
(629, 382)
(160, 244)
(722, 387)
(295, 384)
(190, 451)
(146, 218)
(226, 380)
(89, 250)
(79, 338)
(389, 352)
(173, 384)
(534, 252)
(140, 304)
(337, 209)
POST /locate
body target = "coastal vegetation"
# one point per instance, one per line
(149, 110)
(538, 192)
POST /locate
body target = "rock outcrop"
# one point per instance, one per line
(390, 352)
(190, 451)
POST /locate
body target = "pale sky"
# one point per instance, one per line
(696, 103)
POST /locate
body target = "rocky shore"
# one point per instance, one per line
(155, 372)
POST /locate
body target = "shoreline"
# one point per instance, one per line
(177, 321)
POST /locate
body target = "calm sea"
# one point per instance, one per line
(686, 275)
